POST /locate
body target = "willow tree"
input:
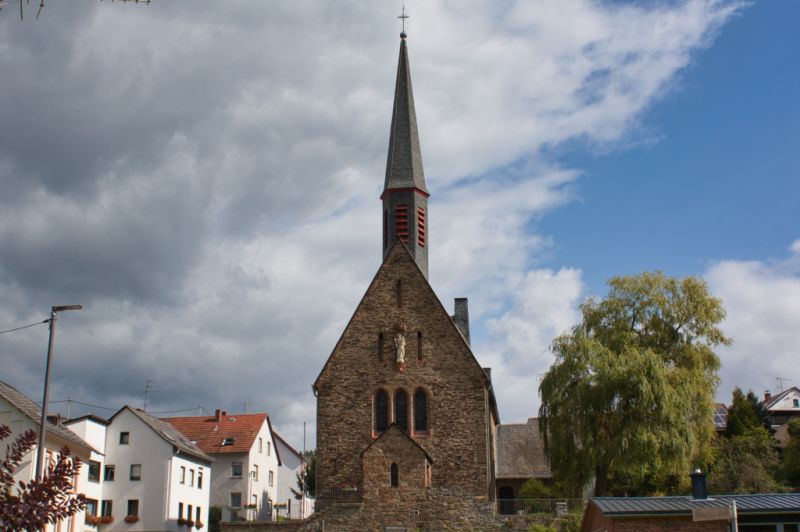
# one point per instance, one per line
(631, 391)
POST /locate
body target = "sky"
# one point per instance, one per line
(203, 177)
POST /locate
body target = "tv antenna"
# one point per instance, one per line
(781, 381)
(150, 386)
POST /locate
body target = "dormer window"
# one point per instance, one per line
(227, 441)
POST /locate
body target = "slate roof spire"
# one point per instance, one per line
(405, 196)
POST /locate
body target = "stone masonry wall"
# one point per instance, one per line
(457, 435)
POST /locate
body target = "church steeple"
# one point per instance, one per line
(405, 196)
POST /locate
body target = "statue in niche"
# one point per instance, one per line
(400, 343)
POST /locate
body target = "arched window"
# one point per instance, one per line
(381, 411)
(394, 475)
(419, 345)
(401, 409)
(420, 411)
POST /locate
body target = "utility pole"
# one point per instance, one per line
(43, 427)
(303, 478)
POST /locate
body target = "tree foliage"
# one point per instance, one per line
(790, 468)
(742, 415)
(745, 463)
(631, 390)
(307, 478)
(32, 505)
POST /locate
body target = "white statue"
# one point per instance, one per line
(400, 344)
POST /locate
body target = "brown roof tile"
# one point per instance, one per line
(210, 433)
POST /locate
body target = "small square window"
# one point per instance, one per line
(183, 475)
(200, 480)
(107, 507)
(94, 472)
(255, 472)
(133, 507)
(228, 441)
(124, 438)
(136, 473)
(236, 469)
(796, 402)
(109, 473)
(236, 500)
(91, 507)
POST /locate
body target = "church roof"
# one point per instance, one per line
(520, 451)
(404, 161)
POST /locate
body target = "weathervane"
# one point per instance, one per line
(403, 18)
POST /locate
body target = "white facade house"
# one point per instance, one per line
(93, 430)
(246, 464)
(21, 414)
(291, 465)
(153, 477)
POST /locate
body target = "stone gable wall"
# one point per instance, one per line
(457, 438)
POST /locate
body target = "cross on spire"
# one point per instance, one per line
(403, 18)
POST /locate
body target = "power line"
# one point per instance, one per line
(25, 326)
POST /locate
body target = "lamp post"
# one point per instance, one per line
(40, 453)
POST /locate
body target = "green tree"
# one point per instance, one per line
(790, 468)
(742, 415)
(307, 478)
(631, 390)
(745, 463)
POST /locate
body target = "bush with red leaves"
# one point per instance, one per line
(34, 504)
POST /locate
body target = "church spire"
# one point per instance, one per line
(405, 196)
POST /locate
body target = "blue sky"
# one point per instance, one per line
(718, 178)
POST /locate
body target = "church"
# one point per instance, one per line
(407, 422)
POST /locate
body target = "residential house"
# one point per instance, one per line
(780, 409)
(92, 429)
(21, 414)
(292, 463)
(154, 478)
(520, 457)
(246, 461)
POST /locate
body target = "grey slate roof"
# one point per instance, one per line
(404, 162)
(168, 432)
(34, 412)
(755, 504)
(520, 451)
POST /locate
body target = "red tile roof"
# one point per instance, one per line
(209, 433)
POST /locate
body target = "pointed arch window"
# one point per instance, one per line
(394, 475)
(381, 411)
(401, 409)
(420, 411)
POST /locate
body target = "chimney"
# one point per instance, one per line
(218, 414)
(461, 317)
(767, 396)
(699, 487)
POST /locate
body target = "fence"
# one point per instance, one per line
(554, 507)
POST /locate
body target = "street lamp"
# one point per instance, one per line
(52, 320)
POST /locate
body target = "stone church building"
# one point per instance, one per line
(407, 422)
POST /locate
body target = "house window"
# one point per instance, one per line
(271, 478)
(109, 473)
(183, 475)
(236, 469)
(236, 500)
(394, 475)
(200, 480)
(106, 507)
(94, 472)
(133, 507)
(227, 441)
(421, 226)
(191, 477)
(381, 411)
(255, 472)
(260, 444)
(197, 515)
(180, 510)
(419, 345)
(420, 411)
(91, 507)
(269, 448)
(401, 409)
(136, 473)
(124, 438)
(795, 402)
(189, 512)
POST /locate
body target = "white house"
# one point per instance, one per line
(93, 430)
(245, 469)
(153, 477)
(291, 466)
(20, 414)
(782, 408)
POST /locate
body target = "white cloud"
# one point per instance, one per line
(762, 300)
(204, 176)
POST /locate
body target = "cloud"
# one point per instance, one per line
(203, 177)
(761, 299)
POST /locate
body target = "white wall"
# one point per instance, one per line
(188, 492)
(95, 435)
(291, 464)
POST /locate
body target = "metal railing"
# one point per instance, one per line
(554, 507)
